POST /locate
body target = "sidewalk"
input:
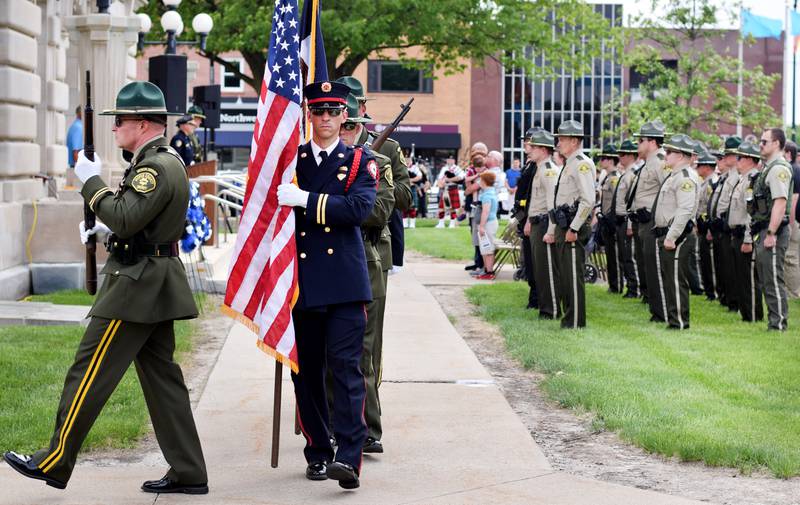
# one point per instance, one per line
(450, 436)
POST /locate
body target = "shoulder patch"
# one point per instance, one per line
(783, 175)
(387, 171)
(144, 182)
(178, 143)
(372, 168)
(687, 186)
(584, 167)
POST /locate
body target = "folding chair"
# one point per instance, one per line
(507, 247)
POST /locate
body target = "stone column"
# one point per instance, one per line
(101, 42)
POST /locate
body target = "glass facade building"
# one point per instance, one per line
(528, 101)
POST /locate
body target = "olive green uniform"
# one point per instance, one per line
(401, 186)
(197, 147)
(574, 193)
(720, 203)
(646, 186)
(673, 215)
(748, 293)
(609, 230)
(774, 182)
(545, 264)
(625, 244)
(132, 318)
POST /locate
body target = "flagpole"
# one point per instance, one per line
(794, 81)
(276, 414)
(740, 84)
(786, 46)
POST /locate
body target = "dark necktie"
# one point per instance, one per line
(323, 156)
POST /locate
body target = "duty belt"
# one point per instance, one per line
(131, 250)
(539, 219)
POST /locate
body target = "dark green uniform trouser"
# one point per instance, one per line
(675, 281)
(770, 263)
(725, 270)
(545, 272)
(749, 293)
(371, 364)
(695, 280)
(638, 261)
(718, 256)
(625, 246)
(652, 266)
(571, 259)
(106, 351)
(707, 269)
(613, 262)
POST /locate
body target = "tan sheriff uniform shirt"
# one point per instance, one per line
(677, 201)
(543, 187)
(737, 213)
(624, 184)
(607, 191)
(779, 178)
(723, 201)
(651, 176)
(576, 184)
(704, 196)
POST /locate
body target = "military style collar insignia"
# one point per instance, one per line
(341, 176)
(341, 155)
(143, 182)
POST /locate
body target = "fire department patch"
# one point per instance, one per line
(372, 168)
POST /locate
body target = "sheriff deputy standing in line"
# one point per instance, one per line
(770, 212)
(607, 219)
(542, 195)
(569, 227)
(520, 213)
(624, 232)
(144, 291)
(706, 163)
(673, 221)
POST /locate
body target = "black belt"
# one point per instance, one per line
(538, 219)
(660, 231)
(125, 247)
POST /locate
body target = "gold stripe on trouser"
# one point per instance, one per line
(80, 394)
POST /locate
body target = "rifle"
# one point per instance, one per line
(378, 142)
(88, 214)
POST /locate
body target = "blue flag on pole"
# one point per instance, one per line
(760, 27)
(795, 23)
(312, 48)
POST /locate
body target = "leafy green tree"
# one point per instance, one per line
(448, 32)
(700, 95)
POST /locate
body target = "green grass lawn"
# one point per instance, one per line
(724, 392)
(450, 244)
(33, 364)
(64, 297)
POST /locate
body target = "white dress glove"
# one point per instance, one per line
(98, 228)
(292, 196)
(84, 169)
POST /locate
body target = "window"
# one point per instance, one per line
(391, 76)
(229, 80)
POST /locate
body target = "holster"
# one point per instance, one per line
(644, 216)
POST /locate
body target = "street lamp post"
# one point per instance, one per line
(172, 24)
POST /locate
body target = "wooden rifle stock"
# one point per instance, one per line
(88, 214)
(376, 145)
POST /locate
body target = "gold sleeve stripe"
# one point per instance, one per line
(100, 192)
(319, 205)
(323, 206)
(80, 395)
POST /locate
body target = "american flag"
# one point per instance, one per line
(262, 281)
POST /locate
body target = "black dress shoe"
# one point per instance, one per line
(372, 446)
(24, 464)
(656, 319)
(532, 305)
(167, 485)
(470, 267)
(630, 294)
(344, 473)
(544, 315)
(317, 470)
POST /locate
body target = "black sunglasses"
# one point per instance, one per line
(331, 112)
(349, 126)
(118, 120)
(765, 141)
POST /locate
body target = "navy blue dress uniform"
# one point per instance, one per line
(330, 317)
(182, 143)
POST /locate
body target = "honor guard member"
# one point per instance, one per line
(542, 195)
(198, 117)
(706, 164)
(145, 289)
(372, 230)
(772, 190)
(607, 218)
(623, 229)
(721, 234)
(334, 195)
(570, 223)
(744, 261)
(182, 142)
(391, 243)
(520, 213)
(645, 189)
(673, 220)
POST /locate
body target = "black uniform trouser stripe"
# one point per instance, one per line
(77, 401)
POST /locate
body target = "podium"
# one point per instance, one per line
(207, 168)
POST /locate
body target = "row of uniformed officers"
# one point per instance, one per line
(673, 218)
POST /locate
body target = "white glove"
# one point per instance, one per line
(98, 228)
(292, 196)
(85, 169)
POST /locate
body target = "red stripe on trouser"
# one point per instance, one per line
(302, 428)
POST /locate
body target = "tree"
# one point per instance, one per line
(448, 32)
(700, 94)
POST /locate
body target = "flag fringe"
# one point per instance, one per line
(278, 356)
(266, 349)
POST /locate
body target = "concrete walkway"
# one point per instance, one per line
(450, 435)
(41, 313)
